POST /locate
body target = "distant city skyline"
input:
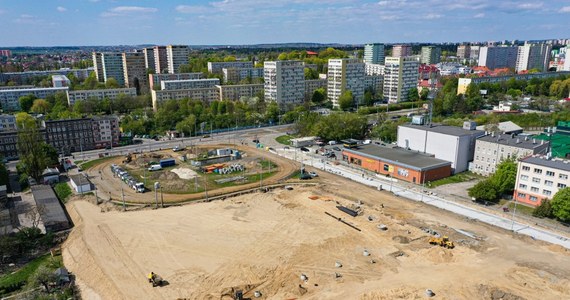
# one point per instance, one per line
(242, 22)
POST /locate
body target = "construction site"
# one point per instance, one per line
(335, 239)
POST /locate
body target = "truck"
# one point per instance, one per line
(167, 162)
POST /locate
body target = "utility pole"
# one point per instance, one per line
(156, 187)
(261, 175)
(206, 188)
(161, 198)
(123, 198)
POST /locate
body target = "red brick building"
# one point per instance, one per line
(399, 163)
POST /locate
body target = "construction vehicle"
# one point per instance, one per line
(155, 279)
(442, 241)
(128, 158)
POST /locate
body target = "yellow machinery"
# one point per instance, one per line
(442, 241)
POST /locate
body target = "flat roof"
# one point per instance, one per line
(79, 179)
(302, 139)
(445, 129)
(555, 163)
(399, 156)
(516, 141)
(51, 211)
(506, 127)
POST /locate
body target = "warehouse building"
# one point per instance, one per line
(403, 164)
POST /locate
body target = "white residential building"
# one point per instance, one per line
(156, 79)
(236, 92)
(113, 67)
(149, 62)
(498, 57)
(9, 98)
(533, 56)
(430, 55)
(374, 69)
(176, 55)
(540, 178)
(401, 50)
(105, 131)
(7, 122)
(205, 95)
(216, 67)
(60, 81)
(98, 66)
(284, 82)
(345, 74)
(188, 84)
(374, 53)
(400, 75)
(235, 75)
(493, 148)
(112, 94)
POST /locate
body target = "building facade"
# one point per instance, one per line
(7, 122)
(374, 82)
(400, 76)
(156, 79)
(463, 83)
(112, 94)
(374, 53)
(401, 50)
(60, 81)
(98, 66)
(70, 135)
(205, 95)
(149, 62)
(463, 51)
(450, 143)
(345, 74)
(284, 82)
(113, 67)
(106, 131)
(188, 84)
(235, 75)
(176, 56)
(216, 67)
(134, 65)
(430, 55)
(498, 57)
(539, 178)
(492, 149)
(533, 56)
(236, 92)
(312, 85)
(160, 60)
(9, 98)
(398, 163)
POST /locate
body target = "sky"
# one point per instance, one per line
(231, 22)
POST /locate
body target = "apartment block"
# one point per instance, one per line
(345, 74)
(236, 92)
(539, 178)
(25, 78)
(70, 135)
(374, 53)
(401, 50)
(205, 95)
(112, 94)
(160, 60)
(235, 75)
(216, 67)
(430, 55)
(284, 82)
(464, 51)
(400, 76)
(7, 122)
(106, 131)
(533, 56)
(176, 55)
(149, 62)
(312, 85)
(98, 66)
(492, 149)
(9, 97)
(60, 81)
(156, 79)
(375, 82)
(9, 144)
(463, 83)
(498, 57)
(6, 53)
(113, 67)
(474, 52)
(374, 69)
(188, 84)
(134, 66)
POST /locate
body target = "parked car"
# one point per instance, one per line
(336, 148)
(332, 143)
(304, 149)
(256, 141)
(313, 174)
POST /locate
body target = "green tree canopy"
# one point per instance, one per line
(413, 95)
(505, 176)
(40, 106)
(346, 100)
(26, 102)
(484, 191)
(112, 83)
(561, 204)
(319, 96)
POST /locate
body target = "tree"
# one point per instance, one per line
(424, 94)
(368, 97)
(111, 83)
(44, 277)
(311, 74)
(544, 210)
(26, 102)
(187, 125)
(505, 176)
(272, 112)
(346, 100)
(413, 95)
(319, 96)
(33, 157)
(40, 106)
(561, 204)
(484, 191)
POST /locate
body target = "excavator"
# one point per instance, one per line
(128, 158)
(442, 241)
(155, 279)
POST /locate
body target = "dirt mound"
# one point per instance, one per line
(494, 293)
(436, 255)
(401, 239)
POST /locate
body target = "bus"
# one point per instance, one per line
(350, 143)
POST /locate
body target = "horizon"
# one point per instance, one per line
(65, 23)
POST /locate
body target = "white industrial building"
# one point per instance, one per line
(450, 143)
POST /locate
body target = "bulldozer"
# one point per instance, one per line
(442, 241)
(155, 279)
(128, 158)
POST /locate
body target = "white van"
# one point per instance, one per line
(155, 168)
(332, 143)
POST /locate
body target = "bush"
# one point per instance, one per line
(544, 210)
(63, 191)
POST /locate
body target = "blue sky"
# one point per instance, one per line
(199, 22)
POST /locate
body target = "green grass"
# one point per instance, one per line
(19, 278)
(284, 139)
(92, 163)
(63, 191)
(523, 209)
(457, 178)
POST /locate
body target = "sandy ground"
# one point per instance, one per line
(184, 173)
(266, 241)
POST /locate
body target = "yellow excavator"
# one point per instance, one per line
(155, 279)
(442, 241)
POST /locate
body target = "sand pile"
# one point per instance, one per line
(184, 173)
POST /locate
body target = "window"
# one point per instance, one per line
(537, 171)
(536, 180)
(386, 167)
(524, 177)
(548, 183)
(526, 168)
(534, 189)
(546, 192)
(521, 195)
(563, 176)
(550, 173)
(561, 185)
(533, 198)
(522, 186)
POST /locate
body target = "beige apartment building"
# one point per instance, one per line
(539, 178)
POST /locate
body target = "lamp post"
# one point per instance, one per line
(156, 187)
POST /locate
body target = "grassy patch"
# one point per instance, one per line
(457, 178)
(523, 209)
(92, 163)
(63, 191)
(284, 139)
(15, 281)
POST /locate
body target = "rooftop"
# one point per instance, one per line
(555, 163)
(515, 141)
(79, 179)
(399, 156)
(51, 211)
(506, 127)
(445, 129)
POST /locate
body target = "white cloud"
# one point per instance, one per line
(61, 9)
(565, 9)
(192, 9)
(121, 11)
(479, 16)
(432, 16)
(26, 19)
(530, 6)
